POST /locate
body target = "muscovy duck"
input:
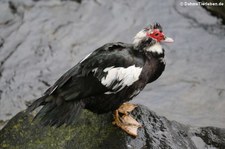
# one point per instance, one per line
(105, 80)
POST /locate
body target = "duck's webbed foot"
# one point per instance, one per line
(123, 119)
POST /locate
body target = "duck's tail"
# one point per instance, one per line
(55, 113)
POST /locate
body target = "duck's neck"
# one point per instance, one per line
(155, 49)
(149, 47)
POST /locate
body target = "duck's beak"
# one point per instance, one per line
(168, 40)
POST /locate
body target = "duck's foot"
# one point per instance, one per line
(126, 122)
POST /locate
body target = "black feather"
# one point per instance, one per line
(56, 115)
(157, 26)
(38, 102)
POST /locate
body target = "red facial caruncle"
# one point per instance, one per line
(156, 34)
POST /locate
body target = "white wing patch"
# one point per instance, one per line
(124, 76)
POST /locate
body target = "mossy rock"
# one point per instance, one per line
(94, 131)
(91, 131)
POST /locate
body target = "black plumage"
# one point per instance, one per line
(83, 85)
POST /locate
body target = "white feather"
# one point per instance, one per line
(124, 76)
(107, 93)
(94, 70)
(155, 48)
(162, 60)
(135, 93)
(139, 36)
(85, 57)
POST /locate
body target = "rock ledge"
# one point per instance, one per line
(96, 131)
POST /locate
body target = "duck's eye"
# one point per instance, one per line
(156, 34)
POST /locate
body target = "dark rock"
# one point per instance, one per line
(218, 11)
(96, 131)
(78, 1)
(1, 42)
(212, 136)
(12, 7)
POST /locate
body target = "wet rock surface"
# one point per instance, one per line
(97, 132)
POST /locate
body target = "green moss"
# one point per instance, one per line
(91, 131)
